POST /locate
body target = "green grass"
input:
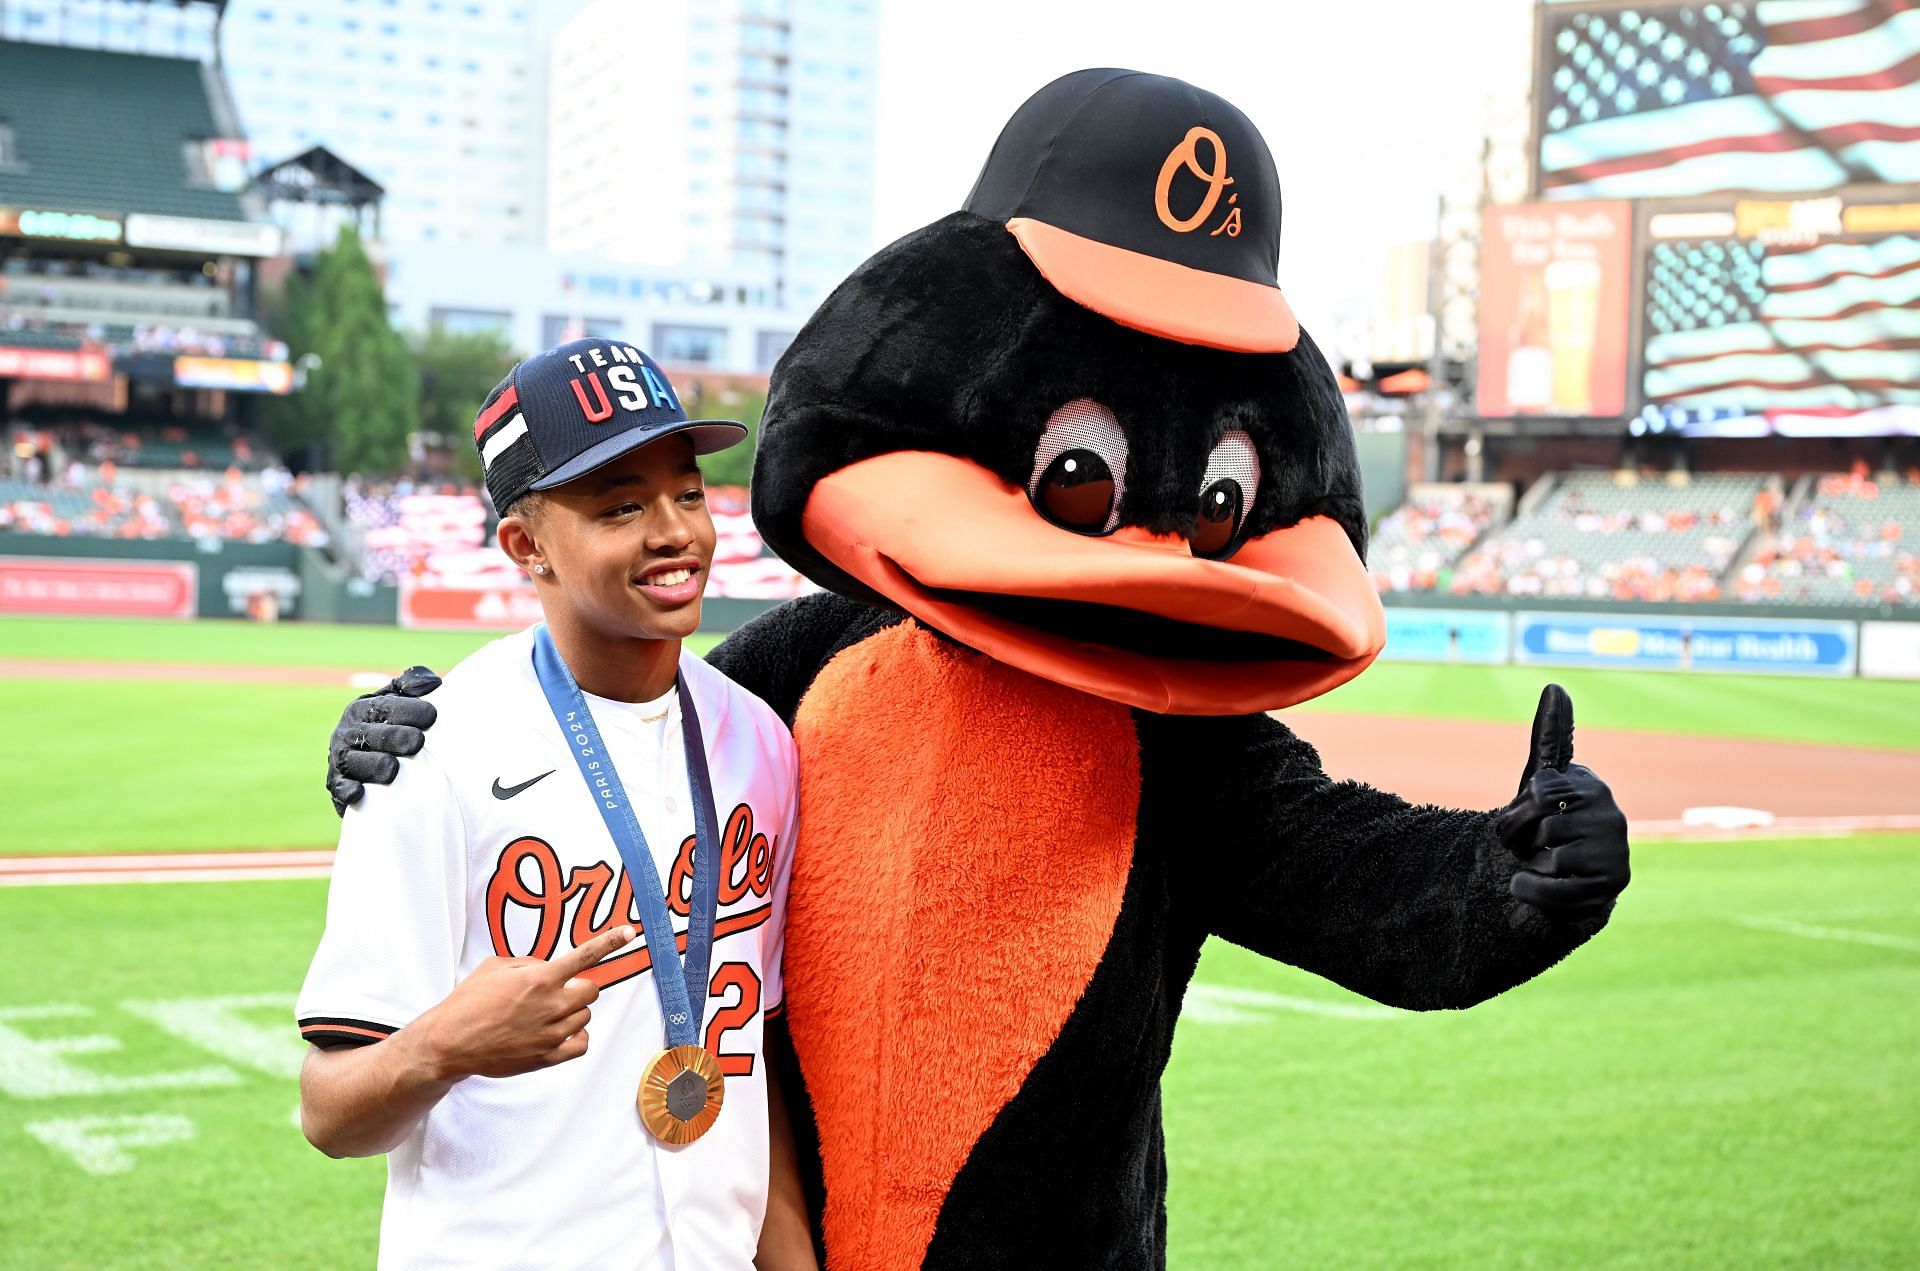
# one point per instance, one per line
(349, 646)
(1684, 1092)
(1783, 708)
(157, 765)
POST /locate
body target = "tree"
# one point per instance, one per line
(743, 405)
(361, 399)
(457, 370)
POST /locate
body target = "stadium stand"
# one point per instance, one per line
(1848, 539)
(1415, 546)
(1621, 536)
(108, 504)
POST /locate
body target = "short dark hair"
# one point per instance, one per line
(528, 506)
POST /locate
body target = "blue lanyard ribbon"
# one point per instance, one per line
(678, 993)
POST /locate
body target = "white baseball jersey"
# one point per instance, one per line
(490, 843)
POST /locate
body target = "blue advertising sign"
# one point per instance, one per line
(1447, 635)
(1763, 646)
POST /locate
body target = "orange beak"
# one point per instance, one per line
(959, 548)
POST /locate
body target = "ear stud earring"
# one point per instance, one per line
(539, 569)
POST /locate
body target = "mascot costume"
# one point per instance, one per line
(1085, 504)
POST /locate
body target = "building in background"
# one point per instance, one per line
(440, 101)
(748, 151)
(188, 30)
(538, 299)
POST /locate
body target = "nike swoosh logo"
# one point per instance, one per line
(507, 792)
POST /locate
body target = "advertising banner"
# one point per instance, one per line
(1553, 310)
(469, 608)
(1448, 635)
(1750, 646)
(98, 588)
(1890, 650)
(192, 234)
(73, 365)
(236, 375)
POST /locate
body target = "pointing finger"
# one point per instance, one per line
(578, 959)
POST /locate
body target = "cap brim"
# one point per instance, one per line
(707, 435)
(1158, 296)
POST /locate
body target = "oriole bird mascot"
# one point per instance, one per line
(1085, 504)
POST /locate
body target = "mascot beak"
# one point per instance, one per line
(1129, 616)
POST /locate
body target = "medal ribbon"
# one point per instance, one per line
(678, 993)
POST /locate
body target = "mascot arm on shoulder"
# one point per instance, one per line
(1085, 505)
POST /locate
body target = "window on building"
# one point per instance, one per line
(468, 321)
(767, 348)
(9, 157)
(689, 346)
(558, 328)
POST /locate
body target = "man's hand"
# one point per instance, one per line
(514, 1015)
(1570, 836)
(375, 728)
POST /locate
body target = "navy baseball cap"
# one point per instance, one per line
(561, 414)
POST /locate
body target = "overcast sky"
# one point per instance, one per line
(1369, 106)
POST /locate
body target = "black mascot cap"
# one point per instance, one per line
(1149, 201)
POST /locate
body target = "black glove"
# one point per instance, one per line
(373, 729)
(1568, 833)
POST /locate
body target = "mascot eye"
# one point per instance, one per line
(1080, 469)
(1226, 495)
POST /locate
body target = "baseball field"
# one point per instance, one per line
(1728, 1076)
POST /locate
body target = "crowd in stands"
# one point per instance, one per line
(99, 503)
(1621, 537)
(1854, 540)
(439, 533)
(167, 445)
(1415, 547)
(124, 338)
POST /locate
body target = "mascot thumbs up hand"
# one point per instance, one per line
(1568, 833)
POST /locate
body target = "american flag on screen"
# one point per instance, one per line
(1670, 100)
(1738, 323)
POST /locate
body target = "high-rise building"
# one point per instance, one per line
(440, 101)
(720, 135)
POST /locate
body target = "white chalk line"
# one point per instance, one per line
(179, 867)
(1845, 935)
(1780, 827)
(1221, 1004)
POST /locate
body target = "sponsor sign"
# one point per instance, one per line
(78, 227)
(242, 584)
(472, 608)
(98, 588)
(1763, 646)
(191, 234)
(1890, 650)
(236, 375)
(88, 366)
(1447, 635)
(1553, 310)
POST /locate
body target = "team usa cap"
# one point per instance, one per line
(1149, 201)
(563, 413)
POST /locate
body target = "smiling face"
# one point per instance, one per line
(625, 548)
(1173, 527)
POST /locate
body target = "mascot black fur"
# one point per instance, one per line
(1086, 506)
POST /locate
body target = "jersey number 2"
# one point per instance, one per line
(733, 975)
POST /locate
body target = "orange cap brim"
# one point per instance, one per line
(1158, 296)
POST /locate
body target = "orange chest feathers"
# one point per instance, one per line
(966, 832)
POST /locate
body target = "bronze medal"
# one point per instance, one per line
(681, 1094)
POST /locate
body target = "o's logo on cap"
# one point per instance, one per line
(1187, 155)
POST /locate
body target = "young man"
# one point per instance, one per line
(597, 783)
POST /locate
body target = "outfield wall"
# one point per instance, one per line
(1626, 639)
(171, 578)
